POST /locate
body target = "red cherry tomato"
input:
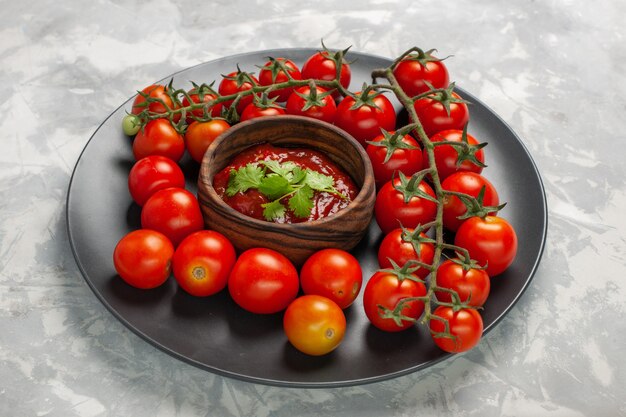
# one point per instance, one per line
(252, 111)
(202, 263)
(234, 83)
(394, 247)
(143, 258)
(407, 161)
(326, 111)
(467, 183)
(157, 92)
(364, 122)
(385, 289)
(174, 212)
(263, 281)
(391, 210)
(200, 135)
(271, 73)
(334, 274)
(491, 241)
(466, 325)
(446, 156)
(151, 174)
(471, 284)
(194, 95)
(321, 67)
(413, 75)
(435, 118)
(314, 325)
(159, 137)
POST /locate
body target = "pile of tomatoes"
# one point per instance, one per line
(173, 240)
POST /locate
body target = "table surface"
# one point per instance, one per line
(553, 70)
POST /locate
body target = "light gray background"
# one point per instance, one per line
(554, 70)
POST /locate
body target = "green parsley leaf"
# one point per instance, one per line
(275, 186)
(282, 169)
(244, 178)
(301, 202)
(318, 181)
(273, 210)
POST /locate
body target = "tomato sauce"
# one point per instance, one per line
(324, 203)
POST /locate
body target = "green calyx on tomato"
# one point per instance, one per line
(241, 78)
(276, 66)
(406, 272)
(475, 207)
(263, 101)
(314, 98)
(415, 237)
(365, 98)
(391, 142)
(409, 187)
(423, 57)
(444, 96)
(467, 152)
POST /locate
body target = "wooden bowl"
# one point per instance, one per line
(297, 241)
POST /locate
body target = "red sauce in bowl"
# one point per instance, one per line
(250, 202)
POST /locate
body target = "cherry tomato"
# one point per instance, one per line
(466, 325)
(159, 137)
(467, 183)
(385, 289)
(271, 73)
(446, 156)
(435, 118)
(143, 258)
(175, 212)
(314, 325)
(394, 247)
(157, 92)
(194, 95)
(252, 111)
(364, 122)
(391, 211)
(234, 83)
(408, 161)
(332, 273)
(321, 67)
(151, 174)
(263, 281)
(412, 74)
(202, 263)
(471, 284)
(200, 135)
(131, 124)
(325, 110)
(491, 241)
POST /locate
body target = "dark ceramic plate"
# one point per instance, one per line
(216, 335)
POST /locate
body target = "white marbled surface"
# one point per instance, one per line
(554, 70)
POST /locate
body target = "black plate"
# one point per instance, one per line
(215, 334)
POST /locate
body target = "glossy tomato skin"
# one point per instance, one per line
(365, 122)
(465, 324)
(446, 156)
(334, 274)
(320, 67)
(252, 111)
(295, 104)
(490, 241)
(214, 111)
(200, 135)
(385, 289)
(394, 248)
(158, 137)
(228, 87)
(434, 118)
(391, 211)
(263, 281)
(143, 258)
(151, 174)
(266, 78)
(411, 76)
(472, 285)
(202, 263)
(468, 183)
(407, 161)
(157, 92)
(314, 325)
(175, 212)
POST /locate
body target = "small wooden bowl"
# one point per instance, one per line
(342, 230)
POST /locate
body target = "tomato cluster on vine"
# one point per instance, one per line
(428, 174)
